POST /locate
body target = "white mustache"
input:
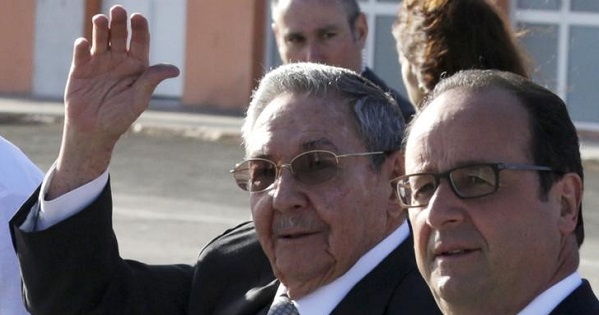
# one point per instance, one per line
(295, 222)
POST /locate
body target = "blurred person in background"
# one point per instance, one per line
(437, 38)
(331, 32)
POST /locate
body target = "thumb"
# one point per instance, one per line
(153, 75)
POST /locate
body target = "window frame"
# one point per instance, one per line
(564, 19)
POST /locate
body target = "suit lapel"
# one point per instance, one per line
(256, 301)
(580, 302)
(372, 294)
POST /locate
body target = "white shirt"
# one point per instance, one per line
(51, 212)
(19, 177)
(325, 299)
(548, 300)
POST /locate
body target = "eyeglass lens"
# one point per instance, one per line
(466, 182)
(311, 167)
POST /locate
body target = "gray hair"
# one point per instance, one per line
(376, 115)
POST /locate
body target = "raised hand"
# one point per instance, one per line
(109, 86)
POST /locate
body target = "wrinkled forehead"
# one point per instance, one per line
(466, 125)
(292, 123)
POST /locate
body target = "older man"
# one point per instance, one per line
(332, 32)
(327, 236)
(494, 188)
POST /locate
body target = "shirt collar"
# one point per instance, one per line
(548, 300)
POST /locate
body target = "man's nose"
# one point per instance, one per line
(444, 208)
(314, 53)
(286, 193)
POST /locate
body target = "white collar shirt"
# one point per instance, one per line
(550, 298)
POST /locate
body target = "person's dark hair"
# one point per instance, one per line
(376, 116)
(352, 8)
(554, 137)
(441, 37)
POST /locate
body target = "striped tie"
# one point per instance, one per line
(283, 306)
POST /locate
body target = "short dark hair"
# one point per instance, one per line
(554, 138)
(442, 37)
(352, 9)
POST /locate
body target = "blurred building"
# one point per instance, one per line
(224, 46)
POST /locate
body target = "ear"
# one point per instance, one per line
(361, 29)
(279, 41)
(396, 160)
(398, 163)
(275, 30)
(570, 188)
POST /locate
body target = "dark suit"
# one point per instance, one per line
(74, 268)
(407, 110)
(580, 302)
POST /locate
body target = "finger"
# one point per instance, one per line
(140, 38)
(147, 82)
(99, 34)
(118, 29)
(81, 51)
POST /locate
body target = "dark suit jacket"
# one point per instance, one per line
(74, 268)
(407, 110)
(580, 302)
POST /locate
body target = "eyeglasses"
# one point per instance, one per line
(467, 182)
(310, 167)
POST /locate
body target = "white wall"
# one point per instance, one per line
(167, 20)
(58, 24)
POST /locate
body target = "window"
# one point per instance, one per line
(380, 53)
(563, 40)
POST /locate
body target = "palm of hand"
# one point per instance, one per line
(109, 86)
(101, 94)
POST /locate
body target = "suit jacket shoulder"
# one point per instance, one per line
(233, 275)
(74, 267)
(407, 109)
(580, 302)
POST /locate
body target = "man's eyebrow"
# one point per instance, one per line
(328, 27)
(430, 168)
(320, 30)
(322, 143)
(318, 144)
(472, 162)
(258, 155)
(294, 34)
